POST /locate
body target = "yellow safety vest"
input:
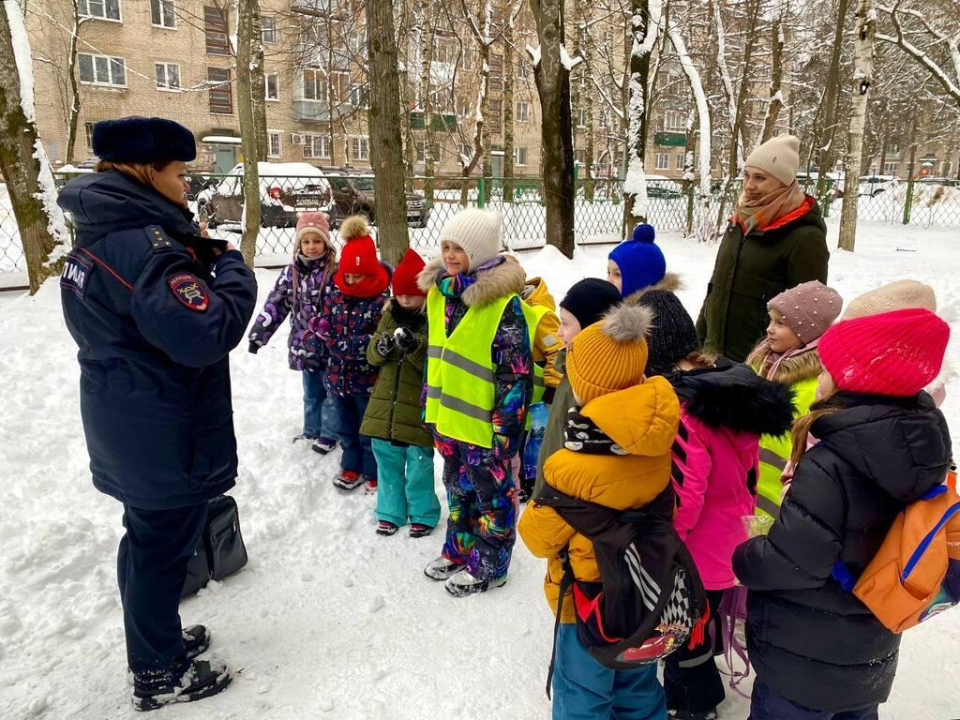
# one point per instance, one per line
(461, 387)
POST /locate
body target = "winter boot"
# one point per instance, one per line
(463, 584)
(196, 641)
(419, 530)
(195, 680)
(690, 715)
(442, 568)
(348, 480)
(370, 486)
(386, 528)
(303, 436)
(323, 445)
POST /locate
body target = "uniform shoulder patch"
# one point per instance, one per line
(76, 271)
(158, 239)
(189, 291)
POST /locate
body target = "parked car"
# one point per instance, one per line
(660, 186)
(286, 189)
(353, 194)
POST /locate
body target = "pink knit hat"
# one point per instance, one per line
(313, 222)
(896, 353)
(808, 309)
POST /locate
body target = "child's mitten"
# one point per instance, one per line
(406, 340)
(385, 344)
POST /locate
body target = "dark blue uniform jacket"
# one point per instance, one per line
(155, 326)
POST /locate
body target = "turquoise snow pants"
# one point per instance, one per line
(406, 485)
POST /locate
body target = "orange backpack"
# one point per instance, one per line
(916, 573)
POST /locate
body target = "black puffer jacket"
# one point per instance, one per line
(809, 639)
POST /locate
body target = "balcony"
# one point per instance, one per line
(318, 111)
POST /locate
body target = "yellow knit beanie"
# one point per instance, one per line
(610, 355)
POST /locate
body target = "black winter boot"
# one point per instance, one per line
(195, 680)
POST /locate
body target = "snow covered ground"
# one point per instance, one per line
(328, 619)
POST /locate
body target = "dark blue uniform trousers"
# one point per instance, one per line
(151, 569)
(765, 704)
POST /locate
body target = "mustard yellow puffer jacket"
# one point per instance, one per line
(643, 421)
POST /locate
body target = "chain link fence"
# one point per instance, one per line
(218, 200)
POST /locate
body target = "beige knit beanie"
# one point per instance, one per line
(778, 157)
(478, 232)
(897, 295)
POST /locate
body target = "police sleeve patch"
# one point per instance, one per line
(189, 291)
(75, 273)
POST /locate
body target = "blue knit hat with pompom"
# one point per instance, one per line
(640, 260)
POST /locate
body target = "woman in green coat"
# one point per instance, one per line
(401, 444)
(776, 240)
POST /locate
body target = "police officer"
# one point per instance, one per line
(155, 308)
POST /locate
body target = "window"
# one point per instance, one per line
(680, 159)
(314, 85)
(445, 49)
(103, 70)
(674, 121)
(893, 146)
(581, 117)
(523, 112)
(316, 146)
(663, 161)
(162, 14)
(268, 28)
(215, 23)
(359, 96)
(273, 143)
(605, 120)
(520, 158)
(168, 76)
(88, 131)
(891, 168)
(523, 68)
(581, 155)
(221, 95)
(496, 71)
(421, 151)
(360, 147)
(100, 9)
(494, 115)
(271, 86)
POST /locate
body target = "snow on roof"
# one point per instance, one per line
(221, 139)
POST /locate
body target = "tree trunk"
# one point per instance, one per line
(73, 115)
(646, 16)
(386, 148)
(586, 52)
(862, 78)
(258, 83)
(553, 86)
(29, 184)
(331, 133)
(427, 33)
(246, 27)
(827, 153)
(508, 129)
(776, 80)
(487, 170)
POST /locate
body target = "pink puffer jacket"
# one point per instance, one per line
(724, 410)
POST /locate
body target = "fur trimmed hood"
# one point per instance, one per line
(504, 278)
(671, 283)
(733, 396)
(804, 366)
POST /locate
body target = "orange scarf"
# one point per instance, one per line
(758, 214)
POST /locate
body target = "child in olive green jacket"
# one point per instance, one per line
(401, 444)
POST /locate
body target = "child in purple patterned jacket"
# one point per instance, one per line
(299, 293)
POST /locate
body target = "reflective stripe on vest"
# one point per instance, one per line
(460, 370)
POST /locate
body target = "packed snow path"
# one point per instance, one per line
(328, 619)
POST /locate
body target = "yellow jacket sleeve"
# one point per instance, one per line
(543, 531)
(547, 344)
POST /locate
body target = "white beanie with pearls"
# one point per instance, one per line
(478, 232)
(779, 157)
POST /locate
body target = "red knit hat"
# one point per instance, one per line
(897, 353)
(359, 257)
(405, 276)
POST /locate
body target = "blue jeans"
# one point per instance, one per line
(314, 394)
(406, 486)
(583, 689)
(765, 704)
(346, 413)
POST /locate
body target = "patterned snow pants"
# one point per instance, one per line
(482, 526)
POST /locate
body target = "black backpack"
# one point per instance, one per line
(220, 551)
(650, 600)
